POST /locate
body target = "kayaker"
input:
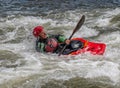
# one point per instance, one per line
(50, 43)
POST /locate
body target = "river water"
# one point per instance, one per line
(22, 67)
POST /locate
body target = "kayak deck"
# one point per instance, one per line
(92, 47)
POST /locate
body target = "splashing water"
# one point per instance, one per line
(22, 66)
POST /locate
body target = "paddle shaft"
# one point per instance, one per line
(78, 26)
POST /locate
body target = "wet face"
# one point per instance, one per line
(43, 35)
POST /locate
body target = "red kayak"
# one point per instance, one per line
(91, 47)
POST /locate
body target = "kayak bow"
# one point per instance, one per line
(92, 47)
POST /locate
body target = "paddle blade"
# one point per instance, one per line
(78, 26)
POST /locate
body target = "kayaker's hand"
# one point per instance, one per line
(67, 41)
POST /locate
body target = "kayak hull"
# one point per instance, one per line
(91, 47)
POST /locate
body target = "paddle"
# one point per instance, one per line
(78, 26)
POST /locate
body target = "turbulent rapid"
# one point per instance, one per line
(22, 67)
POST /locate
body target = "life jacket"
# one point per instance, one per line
(51, 45)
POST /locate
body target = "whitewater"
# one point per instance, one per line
(22, 67)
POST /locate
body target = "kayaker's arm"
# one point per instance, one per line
(64, 40)
(61, 38)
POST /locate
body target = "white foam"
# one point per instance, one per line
(113, 12)
(104, 68)
(104, 20)
(86, 32)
